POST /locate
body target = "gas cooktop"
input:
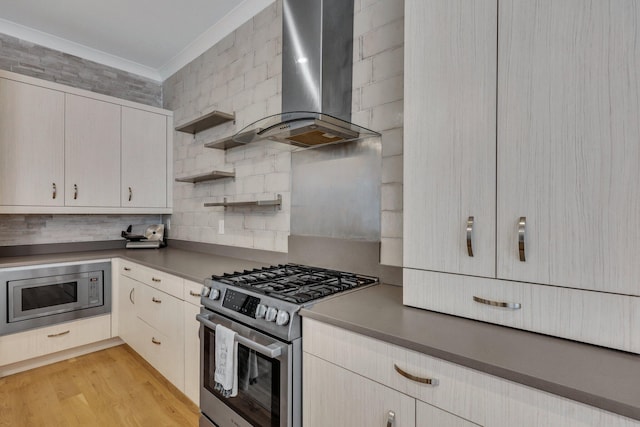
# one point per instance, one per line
(269, 299)
(295, 283)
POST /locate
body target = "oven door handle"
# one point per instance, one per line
(272, 351)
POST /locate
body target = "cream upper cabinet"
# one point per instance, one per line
(569, 143)
(31, 145)
(92, 152)
(70, 151)
(547, 168)
(449, 135)
(144, 159)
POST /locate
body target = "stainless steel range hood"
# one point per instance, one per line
(317, 68)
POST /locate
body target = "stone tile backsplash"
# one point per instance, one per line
(243, 74)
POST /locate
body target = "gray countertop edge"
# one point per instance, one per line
(607, 403)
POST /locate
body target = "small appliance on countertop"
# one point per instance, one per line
(153, 238)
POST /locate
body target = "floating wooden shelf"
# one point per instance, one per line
(207, 121)
(226, 143)
(277, 202)
(209, 176)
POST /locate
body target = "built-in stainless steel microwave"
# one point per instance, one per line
(44, 295)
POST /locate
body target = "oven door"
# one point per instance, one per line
(264, 375)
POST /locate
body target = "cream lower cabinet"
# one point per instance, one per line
(192, 340)
(334, 397)
(337, 362)
(151, 318)
(42, 341)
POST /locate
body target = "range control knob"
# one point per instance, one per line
(282, 318)
(214, 294)
(261, 311)
(205, 291)
(272, 312)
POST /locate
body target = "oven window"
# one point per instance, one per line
(49, 295)
(258, 399)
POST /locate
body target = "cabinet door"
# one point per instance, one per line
(449, 135)
(191, 352)
(31, 145)
(569, 142)
(127, 310)
(335, 397)
(144, 159)
(92, 152)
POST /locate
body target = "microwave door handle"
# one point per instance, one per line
(272, 351)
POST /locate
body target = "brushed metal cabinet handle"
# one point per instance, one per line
(157, 301)
(511, 305)
(58, 334)
(194, 294)
(522, 227)
(130, 194)
(75, 191)
(155, 341)
(156, 280)
(55, 191)
(429, 381)
(470, 221)
(391, 418)
(131, 296)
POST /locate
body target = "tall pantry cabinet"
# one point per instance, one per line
(522, 146)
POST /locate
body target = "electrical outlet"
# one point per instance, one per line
(221, 226)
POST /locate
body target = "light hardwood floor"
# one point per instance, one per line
(112, 387)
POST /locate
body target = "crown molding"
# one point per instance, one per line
(63, 45)
(229, 23)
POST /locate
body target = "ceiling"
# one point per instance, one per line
(152, 38)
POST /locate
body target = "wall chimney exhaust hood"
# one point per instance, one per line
(317, 68)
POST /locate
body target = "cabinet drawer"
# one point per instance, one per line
(160, 310)
(164, 353)
(168, 283)
(42, 341)
(430, 416)
(593, 317)
(192, 292)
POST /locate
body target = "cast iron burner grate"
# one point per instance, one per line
(295, 283)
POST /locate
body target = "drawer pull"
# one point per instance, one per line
(470, 236)
(194, 294)
(157, 301)
(522, 226)
(131, 296)
(391, 418)
(130, 194)
(155, 341)
(511, 305)
(127, 269)
(156, 280)
(58, 334)
(430, 381)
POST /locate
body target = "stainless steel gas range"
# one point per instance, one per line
(262, 307)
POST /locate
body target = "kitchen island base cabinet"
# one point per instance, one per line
(464, 393)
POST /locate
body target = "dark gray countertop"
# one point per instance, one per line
(600, 377)
(607, 379)
(195, 266)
